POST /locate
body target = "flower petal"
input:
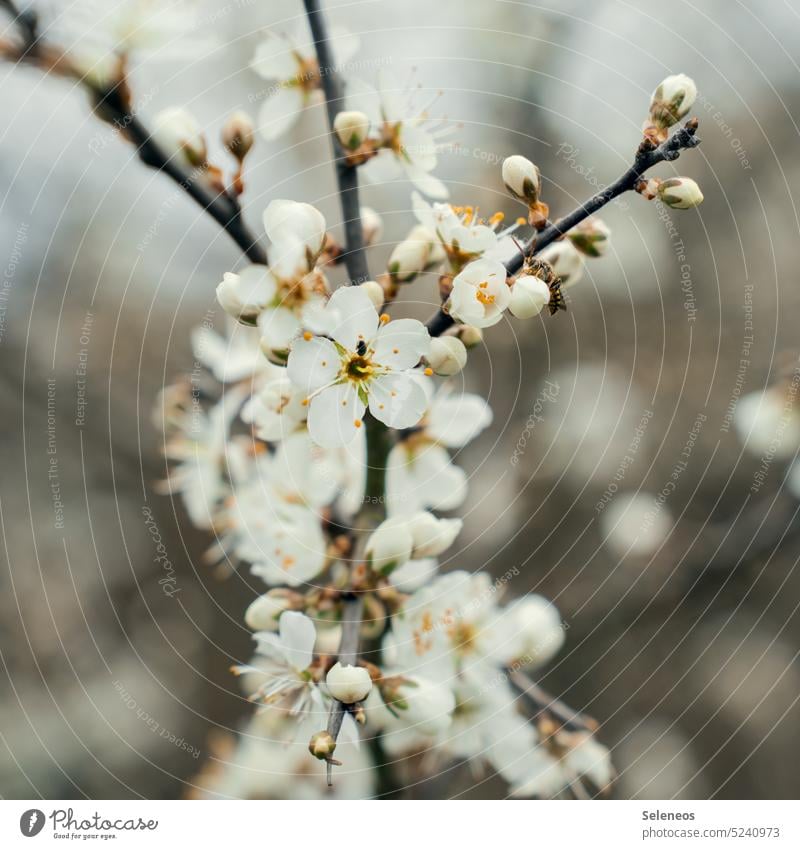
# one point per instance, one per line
(397, 399)
(280, 111)
(278, 327)
(333, 415)
(401, 344)
(423, 479)
(456, 420)
(313, 363)
(354, 318)
(298, 636)
(274, 58)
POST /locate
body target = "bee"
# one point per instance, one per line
(544, 271)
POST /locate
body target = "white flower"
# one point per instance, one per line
(291, 61)
(371, 225)
(635, 524)
(431, 536)
(567, 262)
(768, 421)
(389, 546)
(672, 100)
(521, 177)
(283, 660)
(408, 144)
(420, 474)
(480, 293)
(422, 704)
(368, 362)
(230, 358)
(680, 193)
(447, 356)
(529, 296)
(348, 684)
(276, 409)
(538, 624)
(244, 296)
(351, 129)
(175, 130)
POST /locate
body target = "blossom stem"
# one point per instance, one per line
(646, 157)
(543, 702)
(355, 258)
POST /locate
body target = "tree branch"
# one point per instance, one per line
(354, 256)
(542, 702)
(646, 157)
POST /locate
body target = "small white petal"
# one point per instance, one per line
(398, 400)
(401, 344)
(335, 416)
(298, 636)
(313, 363)
(280, 111)
(355, 318)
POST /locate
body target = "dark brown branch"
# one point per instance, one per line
(646, 157)
(355, 258)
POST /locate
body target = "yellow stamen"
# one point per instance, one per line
(357, 422)
(428, 372)
(308, 336)
(521, 221)
(385, 318)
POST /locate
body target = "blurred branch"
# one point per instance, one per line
(347, 175)
(114, 106)
(647, 155)
(543, 703)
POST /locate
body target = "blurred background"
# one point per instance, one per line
(632, 503)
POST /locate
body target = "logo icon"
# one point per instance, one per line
(31, 822)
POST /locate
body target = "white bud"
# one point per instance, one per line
(425, 705)
(522, 178)
(176, 129)
(680, 193)
(672, 100)
(447, 355)
(322, 745)
(245, 295)
(538, 624)
(375, 292)
(238, 134)
(430, 535)
(469, 335)
(390, 545)
(264, 612)
(412, 255)
(529, 296)
(348, 684)
(351, 129)
(565, 260)
(590, 237)
(371, 225)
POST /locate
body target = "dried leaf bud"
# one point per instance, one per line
(471, 336)
(590, 237)
(264, 612)
(375, 292)
(238, 134)
(351, 129)
(522, 178)
(371, 225)
(680, 193)
(176, 130)
(529, 296)
(565, 260)
(672, 100)
(322, 745)
(348, 684)
(447, 355)
(412, 255)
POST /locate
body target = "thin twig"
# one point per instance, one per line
(646, 157)
(354, 256)
(543, 702)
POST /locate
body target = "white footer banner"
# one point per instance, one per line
(461, 823)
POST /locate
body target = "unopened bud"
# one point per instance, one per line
(389, 546)
(371, 225)
(447, 355)
(430, 535)
(238, 134)
(529, 296)
(322, 745)
(680, 193)
(175, 129)
(245, 295)
(348, 684)
(471, 336)
(375, 292)
(590, 237)
(412, 255)
(672, 100)
(522, 178)
(566, 262)
(264, 612)
(351, 129)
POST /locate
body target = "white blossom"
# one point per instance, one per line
(367, 362)
(529, 296)
(480, 293)
(522, 179)
(176, 131)
(447, 356)
(567, 262)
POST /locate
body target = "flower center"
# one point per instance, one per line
(483, 296)
(359, 367)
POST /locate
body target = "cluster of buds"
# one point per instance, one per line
(524, 182)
